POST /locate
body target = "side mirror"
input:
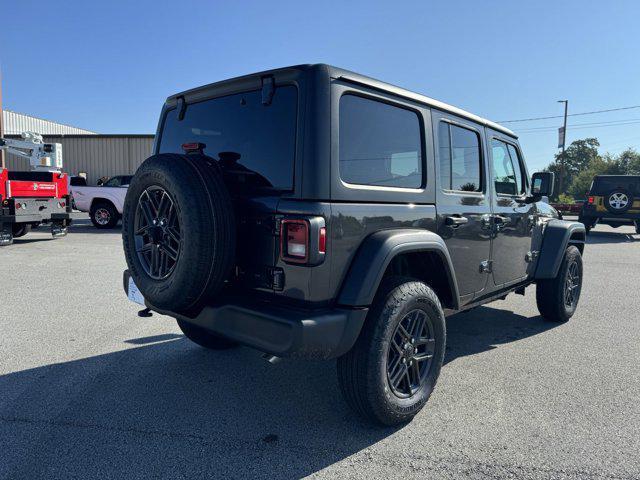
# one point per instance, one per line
(542, 184)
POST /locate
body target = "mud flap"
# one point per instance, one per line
(6, 236)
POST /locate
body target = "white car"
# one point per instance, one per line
(103, 202)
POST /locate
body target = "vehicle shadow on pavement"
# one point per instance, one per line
(485, 328)
(595, 238)
(85, 226)
(171, 409)
(27, 239)
(168, 408)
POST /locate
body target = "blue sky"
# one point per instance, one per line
(108, 66)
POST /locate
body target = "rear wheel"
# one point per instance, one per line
(104, 215)
(20, 229)
(557, 298)
(390, 372)
(204, 338)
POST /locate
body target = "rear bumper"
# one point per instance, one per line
(63, 218)
(626, 217)
(36, 210)
(279, 330)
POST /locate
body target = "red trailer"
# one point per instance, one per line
(39, 196)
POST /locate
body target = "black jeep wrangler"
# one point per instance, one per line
(612, 200)
(313, 212)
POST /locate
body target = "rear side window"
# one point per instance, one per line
(113, 182)
(254, 143)
(507, 173)
(460, 160)
(78, 182)
(380, 144)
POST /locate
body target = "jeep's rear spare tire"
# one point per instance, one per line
(618, 200)
(178, 230)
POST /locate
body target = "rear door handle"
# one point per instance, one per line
(455, 221)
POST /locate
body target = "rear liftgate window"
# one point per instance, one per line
(254, 143)
(380, 144)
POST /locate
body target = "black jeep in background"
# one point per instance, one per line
(612, 200)
(313, 212)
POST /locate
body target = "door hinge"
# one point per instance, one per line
(486, 266)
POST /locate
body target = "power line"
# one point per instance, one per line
(554, 127)
(579, 126)
(570, 115)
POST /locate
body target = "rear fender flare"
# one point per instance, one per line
(374, 256)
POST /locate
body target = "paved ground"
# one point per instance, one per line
(89, 390)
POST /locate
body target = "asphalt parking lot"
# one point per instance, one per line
(89, 390)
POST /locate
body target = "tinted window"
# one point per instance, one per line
(255, 143)
(503, 175)
(507, 174)
(113, 182)
(517, 168)
(78, 182)
(379, 144)
(460, 161)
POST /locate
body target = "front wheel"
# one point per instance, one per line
(557, 298)
(204, 338)
(389, 374)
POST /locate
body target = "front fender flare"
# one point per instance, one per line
(556, 237)
(375, 254)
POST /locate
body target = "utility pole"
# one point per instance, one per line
(562, 136)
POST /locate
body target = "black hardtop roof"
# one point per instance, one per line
(336, 72)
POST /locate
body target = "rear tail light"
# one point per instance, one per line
(322, 240)
(590, 200)
(295, 240)
(303, 240)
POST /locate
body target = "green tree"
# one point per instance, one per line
(626, 163)
(598, 166)
(582, 162)
(629, 162)
(576, 158)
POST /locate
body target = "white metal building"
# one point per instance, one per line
(15, 123)
(82, 150)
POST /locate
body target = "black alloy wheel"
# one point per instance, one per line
(158, 239)
(572, 285)
(410, 354)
